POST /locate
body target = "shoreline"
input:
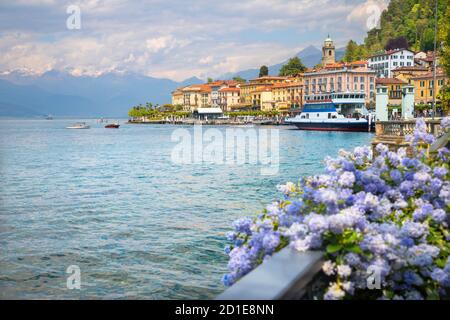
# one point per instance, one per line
(211, 122)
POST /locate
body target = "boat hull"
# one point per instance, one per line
(112, 126)
(78, 128)
(328, 126)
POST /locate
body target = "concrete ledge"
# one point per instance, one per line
(284, 276)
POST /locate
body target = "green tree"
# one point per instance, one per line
(239, 79)
(351, 51)
(354, 52)
(210, 80)
(292, 67)
(411, 19)
(263, 71)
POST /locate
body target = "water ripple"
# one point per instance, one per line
(111, 202)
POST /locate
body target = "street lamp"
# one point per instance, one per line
(434, 59)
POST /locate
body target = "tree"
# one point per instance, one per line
(239, 79)
(351, 51)
(210, 80)
(412, 20)
(263, 71)
(292, 67)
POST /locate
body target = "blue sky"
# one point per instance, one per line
(173, 39)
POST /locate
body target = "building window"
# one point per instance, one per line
(355, 79)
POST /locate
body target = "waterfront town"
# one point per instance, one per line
(283, 96)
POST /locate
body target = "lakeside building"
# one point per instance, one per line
(423, 86)
(353, 77)
(394, 89)
(215, 87)
(229, 97)
(384, 63)
(178, 97)
(206, 95)
(247, 89)
(407, 73)
(288, 96)
(196, 96)
(272, 93)
(426, 59)
(262, 99)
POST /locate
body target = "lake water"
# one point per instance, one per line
(113, 203)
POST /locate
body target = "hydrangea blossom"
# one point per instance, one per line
(385, 215)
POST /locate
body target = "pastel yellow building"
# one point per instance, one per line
(262, 99)
(258, 85)
(423, 86)
(196, 96)
(407, 73)
(229, 97)
(394, 87)
(177, 97)
(287, 96)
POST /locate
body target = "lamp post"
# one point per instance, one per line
(434, 59)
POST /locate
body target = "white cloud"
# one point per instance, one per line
(170, 38)
(367, 14)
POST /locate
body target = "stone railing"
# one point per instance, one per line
(403, 128)
(285, 275)
(393, 133)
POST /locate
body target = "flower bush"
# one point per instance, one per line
(382, 221)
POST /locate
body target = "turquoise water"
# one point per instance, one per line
(113, 203)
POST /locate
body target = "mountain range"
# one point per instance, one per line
(109, 95)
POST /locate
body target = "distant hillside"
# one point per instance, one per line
(310, 56)
(411, 19)
(61, 94)
(109, 95)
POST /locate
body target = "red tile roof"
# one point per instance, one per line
(389, 81)
(230, 89)
(411, 68)
(439, 73)
(262, 89)
(287, 85)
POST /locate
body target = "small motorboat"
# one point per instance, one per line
(112, 126)
(79, 125)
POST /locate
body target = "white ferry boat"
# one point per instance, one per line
(79, 125)
(334, 112)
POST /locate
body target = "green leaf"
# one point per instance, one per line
(432, 294)
(332, 248)
(355, 249)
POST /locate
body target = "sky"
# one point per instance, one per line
(175, 39)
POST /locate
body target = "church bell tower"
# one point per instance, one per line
(328, 51)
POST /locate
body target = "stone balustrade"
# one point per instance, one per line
(393, 133)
